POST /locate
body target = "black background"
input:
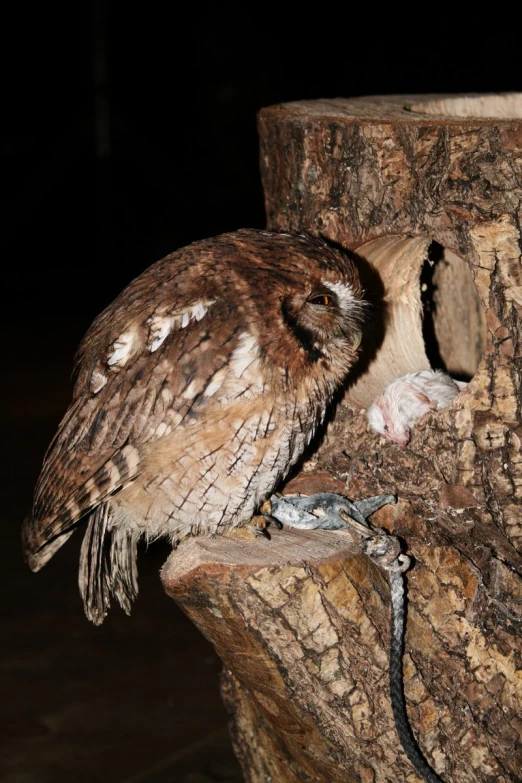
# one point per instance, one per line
(129, 130)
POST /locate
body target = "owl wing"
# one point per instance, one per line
(143, 371)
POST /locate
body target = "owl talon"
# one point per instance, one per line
(259, 526)
(265, 511)
(327, 511)
(271, 520)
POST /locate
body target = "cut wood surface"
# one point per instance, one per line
(429, 200)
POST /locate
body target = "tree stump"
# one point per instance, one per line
(427, 192)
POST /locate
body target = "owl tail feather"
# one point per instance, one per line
(93, 574)
(107, 565)
(124, 569)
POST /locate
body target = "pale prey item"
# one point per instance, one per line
(407, 398)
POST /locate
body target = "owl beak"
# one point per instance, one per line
(356, 340)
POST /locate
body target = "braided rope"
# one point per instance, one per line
(398, 701)
(384, 550)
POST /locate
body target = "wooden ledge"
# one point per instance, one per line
(287, 547)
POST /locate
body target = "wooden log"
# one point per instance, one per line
(427, 192)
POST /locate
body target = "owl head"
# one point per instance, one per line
(308, 295)
(325, 318)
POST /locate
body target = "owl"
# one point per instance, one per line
(196, 391)
(406, 399)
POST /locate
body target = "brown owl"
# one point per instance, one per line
(197, 390)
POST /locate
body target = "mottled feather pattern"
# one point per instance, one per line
(135, 406)
(197, 389)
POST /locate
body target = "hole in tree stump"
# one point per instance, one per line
(453, 325)
(430, 313)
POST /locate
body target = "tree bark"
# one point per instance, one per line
(427, 192)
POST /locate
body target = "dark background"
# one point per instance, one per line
(130, 130)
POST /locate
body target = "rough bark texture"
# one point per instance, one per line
(431, 204)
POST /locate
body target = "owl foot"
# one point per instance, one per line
(261, 528)
(265, 513)
(326, 510)
(259, 524)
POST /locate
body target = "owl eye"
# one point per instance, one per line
(324, 300)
